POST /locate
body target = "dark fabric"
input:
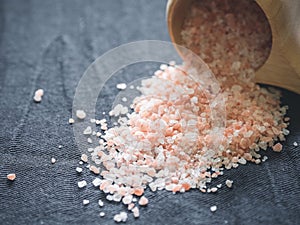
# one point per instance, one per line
(49, 44)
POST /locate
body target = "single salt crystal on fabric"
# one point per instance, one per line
(87, 130)
(82, 184)
(213, 208)
(78, 169)
(109, 197)
(264, 158)
(100, 203)
(80, 114)
(85, 201)
(71, 121)
(121, 86)
(101, 214)
(127, 199)
(96, 182)
(53, 160)
(11, 176)
(229, 183)
(136, 212)
(89, 140)
(143, 201)
(124, 99)
(295, 144)
(277, 147)
(84, 157)
(242, 161)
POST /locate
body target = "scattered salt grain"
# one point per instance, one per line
(127, 199)
(295, 144)
(71, 121)
(121, 86)
(264, 158)
(143, 201)
(80, 114)
(82, 184)
(96, 182)
(213, 208)
(229, 183)
(53, 160)
(89, 140)
(78, 169)
(87, 130)
(136, 212)
(85, 201)
(84, 157)
(102, 214)
(60, 146)
(11, 176)
(277, 147)
(38, 95)
(122, 217)
(100, 203)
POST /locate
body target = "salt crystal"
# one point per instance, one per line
(101, 214)
(84, 157)
(229, 183)
(143, 201)
(88, 130)
(11, 176)
(53, 160)
(71, 121)
(96, 182)
(277, 147)
(121, 86)
(78, 169)
(127, 199)
(80, 114)
(213, 208)
(82, 184)
(136, 212)
(295, 144)
(100, 203)
(85, 201)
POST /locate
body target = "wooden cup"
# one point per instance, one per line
(282, 68)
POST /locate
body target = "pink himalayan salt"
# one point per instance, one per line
(143, 201)
(277, 147)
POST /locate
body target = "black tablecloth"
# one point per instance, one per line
(49, 44)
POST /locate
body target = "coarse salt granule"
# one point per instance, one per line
(78, 169)
(143, 201)
(213, 208)
(96, 182)
(84, 158)
(53, 160)
(121, 86)
(136, 212)
(100, 203)
(80, 114)
(229, 183)
(11, 176)
(102, 214)
(295, 144)
(85, 201)
(277, 147)
(87, 130)
(82, 184)
(71, 121)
